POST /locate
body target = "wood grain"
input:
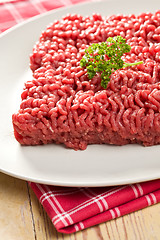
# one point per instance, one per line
(23, 218)
(15, 215)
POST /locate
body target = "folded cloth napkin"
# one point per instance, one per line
(16, 11)
(73, 209)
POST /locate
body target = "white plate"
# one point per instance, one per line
(99, 165)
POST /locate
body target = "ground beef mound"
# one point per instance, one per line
(61, 105)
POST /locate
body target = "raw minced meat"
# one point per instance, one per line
(61, 105)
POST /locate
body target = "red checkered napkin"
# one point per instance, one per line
(16, 11)
(73, 209)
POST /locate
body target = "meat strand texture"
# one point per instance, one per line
(61, 105)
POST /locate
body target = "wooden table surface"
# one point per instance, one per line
(22, 218)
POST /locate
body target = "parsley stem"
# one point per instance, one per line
(131, 64)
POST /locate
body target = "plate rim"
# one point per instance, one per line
(71, 184)
(82, 184)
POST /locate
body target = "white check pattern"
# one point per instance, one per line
(73, 209)
(16, 11)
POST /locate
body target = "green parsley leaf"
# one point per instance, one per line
(105, 58)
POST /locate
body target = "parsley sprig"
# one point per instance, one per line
(105, 58)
